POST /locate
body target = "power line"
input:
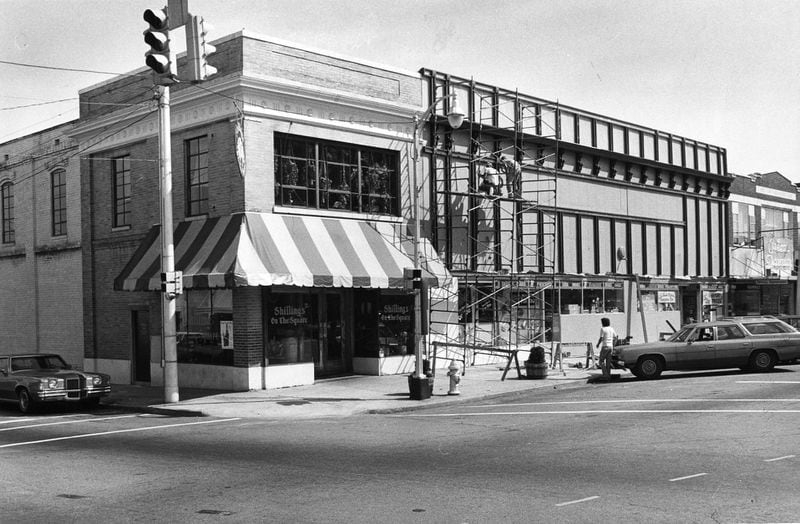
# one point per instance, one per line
(54, 68)
(38, 104)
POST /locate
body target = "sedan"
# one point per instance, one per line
(749, 343)
(30, 379)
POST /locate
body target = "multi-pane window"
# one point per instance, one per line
(775, 223)
(121, 173)
(7, 212)
(197, 176)
(330, 175)
(58, 199)
(744, 223)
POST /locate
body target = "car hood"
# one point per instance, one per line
(61, 373)
(643, 347)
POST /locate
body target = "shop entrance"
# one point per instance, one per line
(330, 359)
(141, 345)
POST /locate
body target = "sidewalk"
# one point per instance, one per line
(339, 397)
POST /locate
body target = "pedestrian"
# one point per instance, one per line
(606, 345)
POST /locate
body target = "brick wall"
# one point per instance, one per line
(248, 332)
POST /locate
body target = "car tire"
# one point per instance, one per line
(24, 401)
(648, 368)
(762, 360)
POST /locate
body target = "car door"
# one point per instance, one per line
(698, 352)
(6, 382)
(733, 347)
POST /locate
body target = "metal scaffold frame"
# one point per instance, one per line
(493, 186)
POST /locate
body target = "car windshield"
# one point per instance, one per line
(682, 335)
(38, 362)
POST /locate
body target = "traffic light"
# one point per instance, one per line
(172, 283)
(412, 278)
(159, 58)
(198, 49)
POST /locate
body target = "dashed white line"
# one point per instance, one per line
(688, 477)
(577, 501)
(102, 433)
(779, 458)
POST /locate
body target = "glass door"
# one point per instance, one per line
(331, 359)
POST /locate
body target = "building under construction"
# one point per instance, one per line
(549, 217)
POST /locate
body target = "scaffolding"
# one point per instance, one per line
(493, 218)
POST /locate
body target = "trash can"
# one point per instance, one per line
(420, 388)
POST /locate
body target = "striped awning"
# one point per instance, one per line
(260, 249)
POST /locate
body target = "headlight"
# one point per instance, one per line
(52, 383)
(94, 381)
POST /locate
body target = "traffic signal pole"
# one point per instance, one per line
(167, 248)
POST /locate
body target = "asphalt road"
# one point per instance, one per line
(700, 447)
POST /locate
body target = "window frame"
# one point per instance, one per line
(337, 176)
(196, 152)
(58, 202)
(7, 236)
(121, 204)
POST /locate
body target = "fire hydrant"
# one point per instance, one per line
(455, 379)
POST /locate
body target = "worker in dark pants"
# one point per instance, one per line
(606, 345)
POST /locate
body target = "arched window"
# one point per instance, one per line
(58, 185)
(7, 212)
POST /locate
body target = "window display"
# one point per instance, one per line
(292, 328)
(204, 326)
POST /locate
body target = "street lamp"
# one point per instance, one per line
(455, 118)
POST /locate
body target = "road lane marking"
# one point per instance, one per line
(640, 401)
(16, 420)
(103, 433)
(590, 412)
(577, 501)
(60, 423)
(779, 458)
(768, 381)
(688, 477)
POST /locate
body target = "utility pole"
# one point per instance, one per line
(167, 249)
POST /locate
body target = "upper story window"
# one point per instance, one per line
(121, 174)
(58, 198)
(7, 212)
(775, 223)
(744, 223)
(197, 176)
(330, 175)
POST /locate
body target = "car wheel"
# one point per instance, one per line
(24, 401)
(762, 360)
(648, 367)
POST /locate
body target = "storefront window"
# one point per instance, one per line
(660, 301)
(330, 175)
(204, 325)
(384, 324)
(594, 297)
(292, 328)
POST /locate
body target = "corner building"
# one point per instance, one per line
(292, 206)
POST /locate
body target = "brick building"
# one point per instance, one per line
(763, 247)
(292, 203)
(40, 245)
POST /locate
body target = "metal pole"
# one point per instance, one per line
(167, 249)
(418, 340)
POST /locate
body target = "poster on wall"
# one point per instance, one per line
(226, 334)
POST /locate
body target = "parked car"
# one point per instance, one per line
(749, 343)
(29, 379)
(792, 320)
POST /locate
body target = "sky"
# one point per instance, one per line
(723, 72)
